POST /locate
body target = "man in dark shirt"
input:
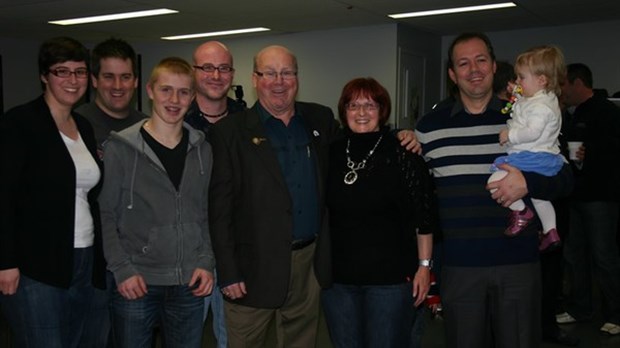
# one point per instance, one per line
(213, 77)
(591, 243)
(266, 208)
(115, 79)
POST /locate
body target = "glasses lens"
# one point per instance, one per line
(61, 72)
(208, 68)
(367, 106)
(81, 73)
(370, 106)
(288, 75)
(66, 72)
(273, 75)
(270, 75)
(224, 69)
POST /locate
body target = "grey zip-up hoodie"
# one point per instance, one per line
(150, 228)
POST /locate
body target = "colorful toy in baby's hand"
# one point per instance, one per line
(516, 94)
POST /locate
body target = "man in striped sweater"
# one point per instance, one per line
(490, 284)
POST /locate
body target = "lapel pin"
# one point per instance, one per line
(315, 133)
(257, 141)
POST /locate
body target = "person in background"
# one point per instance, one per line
(114, 76)
(503, 77)
(382, 212)
(154, 208)
(552, 261)
(114, 73)
(50, 231)
(213, 77)
(591, 248)
(531, 138)
(490, 284)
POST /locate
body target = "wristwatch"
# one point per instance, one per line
(426, 263)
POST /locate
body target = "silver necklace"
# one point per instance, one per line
(351, 176)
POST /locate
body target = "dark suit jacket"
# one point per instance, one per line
(37, 196)
(250, 206)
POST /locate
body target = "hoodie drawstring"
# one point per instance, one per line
(202, 171)
(133, 179)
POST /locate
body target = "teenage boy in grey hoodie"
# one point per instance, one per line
(154, 216)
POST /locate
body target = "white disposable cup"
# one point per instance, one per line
(573, 146)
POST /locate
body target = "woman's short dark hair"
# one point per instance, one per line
(60, 50)
(369, 88)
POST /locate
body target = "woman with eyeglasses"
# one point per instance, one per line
(50, 232)
(382, 218)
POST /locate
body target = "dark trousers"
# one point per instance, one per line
(496, 306)
(552, 271)
(591, 254)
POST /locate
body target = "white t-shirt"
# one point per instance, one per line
(87, 175)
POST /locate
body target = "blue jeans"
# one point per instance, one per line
(97, 326)
(42, 315)
(369, 316)
(422, 314)
(216, 302)
(591, 245)
(175, 308)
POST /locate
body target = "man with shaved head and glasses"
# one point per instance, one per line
(213, 77)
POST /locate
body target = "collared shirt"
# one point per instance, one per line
(296, 158)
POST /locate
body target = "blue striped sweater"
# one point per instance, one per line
(459, 148)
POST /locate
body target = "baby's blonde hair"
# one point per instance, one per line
(548, 61)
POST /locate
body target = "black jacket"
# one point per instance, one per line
(251, 209)
(37, 196)
(596, 122)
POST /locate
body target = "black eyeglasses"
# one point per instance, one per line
(80, 73)
(210, 69)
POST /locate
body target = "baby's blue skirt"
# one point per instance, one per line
(543, 163)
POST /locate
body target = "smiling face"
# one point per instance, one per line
(115, 86)
(276, 95)
(472, 69)
(214, 85)
(363, 115)
(65, 91)
(171, 94)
